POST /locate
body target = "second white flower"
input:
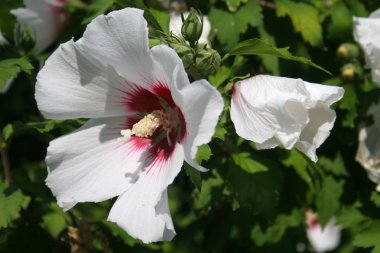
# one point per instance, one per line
(272, 111)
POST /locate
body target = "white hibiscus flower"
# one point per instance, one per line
(2, 39)
(368, 154)
(322, 239)
(45, 18)
(272, 110)
(367, 34)
(175, 25)
(146, 120)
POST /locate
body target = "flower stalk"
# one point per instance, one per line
(5, 160)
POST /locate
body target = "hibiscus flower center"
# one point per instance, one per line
(159, 123)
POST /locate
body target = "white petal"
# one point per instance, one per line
(322, 118)
(91, 164)
(270, 143)
(263, 107)
(200, 102)
(374, 111)
(275, 110)
(326, 239)
(143, 210)
(75, 85)
(368, 154)
(316, 131)
(166, 61)
(367, 33)
(324, 94)
(202, 105)
(120, 39)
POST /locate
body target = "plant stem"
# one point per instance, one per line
(5, 160)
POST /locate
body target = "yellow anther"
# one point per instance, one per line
(147, 125)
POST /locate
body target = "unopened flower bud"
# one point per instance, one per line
(24, 37)
(184, 52)
(351, 72)
(347, 51)
(192, 26)
(207, 62)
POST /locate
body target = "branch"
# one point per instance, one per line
(5, 160)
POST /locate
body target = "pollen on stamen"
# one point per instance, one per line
(144, 128)
(126, 135)
(148, 125)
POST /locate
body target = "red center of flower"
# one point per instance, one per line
(158, 121)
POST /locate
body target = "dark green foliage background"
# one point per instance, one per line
(249, 201)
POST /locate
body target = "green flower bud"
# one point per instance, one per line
(184, 51)
(192, 26)
(351, 72)
(347, 51)
(24, 37)
(207, 62)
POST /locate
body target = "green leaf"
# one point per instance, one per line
(375, 198)
(19, 127)
(158, 19)
(328, 199)
(96, 8)
(349, 102)
(259, 47)
(297, 161)
(7, 19)
(10, 68)
(228, 26)
(211, 191)
(226, 73)
(233, 5)
(158, 22)
(222, 75)
(203, 154)
(304, 18)
(275, 232)
(244, 161)
(220, 132)
(54, 223)
(271, 63)
(369, 237)
(350, 217)
(11, 202)
(336, 166)
(357, 7)
(117, 231)
(195, 176)
(258, 191)
(341, 22)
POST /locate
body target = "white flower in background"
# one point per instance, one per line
(367, 34)
(322, 239)
(45, 18)
(7, 85)
(146, 120)
(9, 81)
(368, 154)
(272, 111)
(175, 26)
(2, 39)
